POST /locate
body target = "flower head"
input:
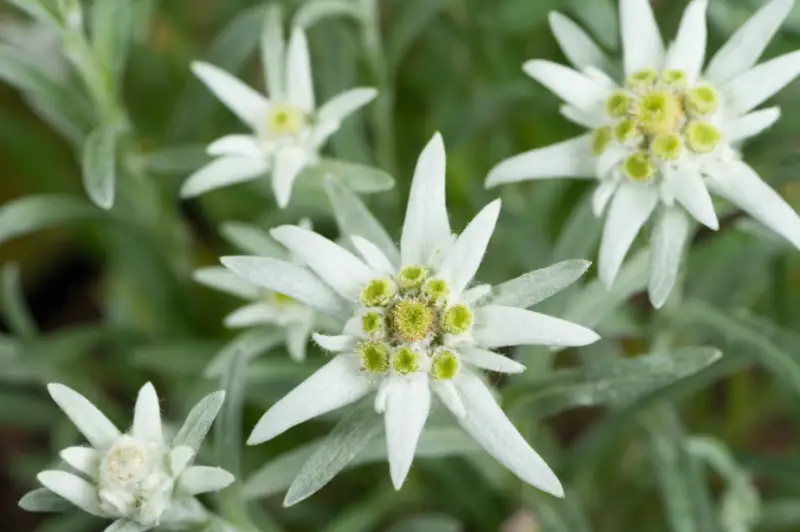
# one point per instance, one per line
(266, 307)
(288, 130)
(413, 326)
(666, 134)
(137, 476)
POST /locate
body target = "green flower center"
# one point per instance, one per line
(436, 291)
(642, 78)
(667, 146)
(372, 323)
(281, 299)
(702, 137)
(702, 100)
(457, 320)
(659, 112)
(445, 365)
(377, 293)
(374, 357)
(638, 167)
(600, 139)
(412, 320)
(405, 360)
(618, 104)
(411, 277)
(283, 119)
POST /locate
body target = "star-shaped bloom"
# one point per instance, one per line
(668, 134)
(288, 130)
(267, 307)
(415, 328)
(135, 478)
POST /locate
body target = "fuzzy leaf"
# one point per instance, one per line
(536, 286)
(316, 10)
(358, 177)
(30, 213)
(45, 501)
(199, 421)
(100, 165)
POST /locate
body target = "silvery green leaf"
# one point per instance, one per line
(44, 500)
(111, 35)
(580, 233)
(229, 51)
(30, 213)
(358, 177)
(533, 287)
(277, 474)
(593, 303)
(768, 343)
(100, 165)
(253, 240)
(15, 309)
(179, 358)
(347, 439)
(781, 514)
(176, 160)
(249, 344)
(315, 10)
(199, 421)
(354, 219)
(618, 382)
(38, 11)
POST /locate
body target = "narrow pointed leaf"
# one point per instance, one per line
(31, 213)
(99, 165)
(199, 421)
(536, 286)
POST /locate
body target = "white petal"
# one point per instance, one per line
(688, 187)
(297, 335)
(125, 525)
(407, 405)
(448, 394)
(464, 258)
(373, 255)
(244, 145)
(202, 479)
(582, 118)
(300, 86)
(631, 207)
(223, 172)
(748, 90)
(751, 124)
(147, 416)
(98, 430)
(72, 488)
(602, 194)
(641, 40)
(688, 51)
(288, 164)
(609, 161)
(487, 423)
(426, 228)
(742, 186)
(669, 236)
(179, 458)
(571, 158)
(575, 88)
(290, 279)
(84, 459)
(321, 132)
(226, 281)
(744, 48)
(476, 293)
(499, 326)
(343, 105)
(579, 48)
(336, 384)
(254, 314)
(342, 270)
(246, 103)
(489, 360)
(334, 343)
(383, 393)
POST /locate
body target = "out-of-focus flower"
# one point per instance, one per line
(667, 135)
(414, 328)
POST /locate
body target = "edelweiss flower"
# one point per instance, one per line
(288, 130)
(135, 478)
(666, 136)
(267, 307)
(414, 326)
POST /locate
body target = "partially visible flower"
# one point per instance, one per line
(668, 134)
(288, 129)
(133, 477)
(267, 307)
(414, 328)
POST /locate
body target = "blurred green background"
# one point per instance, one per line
(104, 305)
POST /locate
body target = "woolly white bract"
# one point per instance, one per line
(288, 129)
(668, 135)
(135, 478)
(414, 328)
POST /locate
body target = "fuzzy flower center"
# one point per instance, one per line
(125, 464)
(284, 120)
(405, 320)
(657, 118)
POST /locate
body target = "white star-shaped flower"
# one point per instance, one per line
(288, 129)
(135, 478)
(414, 328)
(267, 307)
(668, 135)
